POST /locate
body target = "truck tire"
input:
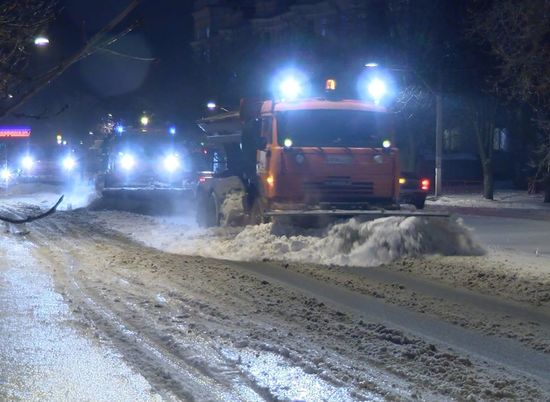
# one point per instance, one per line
(231, 209)
(257, 212)
(419, 202)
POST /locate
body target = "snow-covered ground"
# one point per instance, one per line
(502, 199)
(436, 321)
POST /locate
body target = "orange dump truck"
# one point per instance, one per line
(305, 160)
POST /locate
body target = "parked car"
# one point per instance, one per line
(51, 164)
(413, 189)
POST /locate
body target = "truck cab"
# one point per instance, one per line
(326, 154)
(288, 157)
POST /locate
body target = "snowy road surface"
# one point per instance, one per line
(109, 305)
(524, 235)
(42, 356)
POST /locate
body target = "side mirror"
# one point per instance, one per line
(261, 143)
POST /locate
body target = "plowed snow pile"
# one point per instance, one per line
(353, 243)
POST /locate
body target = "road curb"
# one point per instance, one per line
(518, 213)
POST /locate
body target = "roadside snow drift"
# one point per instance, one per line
(351, 243)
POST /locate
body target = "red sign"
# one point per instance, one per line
(15, 132)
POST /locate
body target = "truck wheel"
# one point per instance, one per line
(231, 209)
(99, 183)
(419, 202)
(257, 212)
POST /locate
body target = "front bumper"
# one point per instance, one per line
(366, 205)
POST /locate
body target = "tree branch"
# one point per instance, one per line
(69, 61)
(18, 221)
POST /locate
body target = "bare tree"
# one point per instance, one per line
(20, 22)
(517, 33)
(483, 113)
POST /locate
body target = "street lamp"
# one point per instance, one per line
(41, 41)
(213, 106)
(378, 88)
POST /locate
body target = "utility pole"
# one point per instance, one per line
(438, 139)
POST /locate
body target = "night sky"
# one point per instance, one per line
(105, 83)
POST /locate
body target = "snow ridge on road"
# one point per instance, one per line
(350, 243)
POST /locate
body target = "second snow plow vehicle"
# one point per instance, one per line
(143, 161)
(303, 160)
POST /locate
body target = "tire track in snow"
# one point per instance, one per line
(502, 351)
(181, 376)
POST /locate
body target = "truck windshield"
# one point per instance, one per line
(333, 128)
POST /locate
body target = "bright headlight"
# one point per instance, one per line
(290, 88)
(27, 162)
(172, 163)
(69, 163)
(377, 89)
(5, 174)
(127, 162)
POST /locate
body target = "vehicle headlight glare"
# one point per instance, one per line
(290, 88)
(69, 163)
(127, 162)
(377, 89)
(171, 163)
(27, 162)
(5, 174)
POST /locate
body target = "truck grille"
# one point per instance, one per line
(337, 189)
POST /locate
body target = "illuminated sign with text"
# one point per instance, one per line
(15, 132)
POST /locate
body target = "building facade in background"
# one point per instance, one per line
(221, 25)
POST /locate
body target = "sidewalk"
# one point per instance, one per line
(506, 203)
